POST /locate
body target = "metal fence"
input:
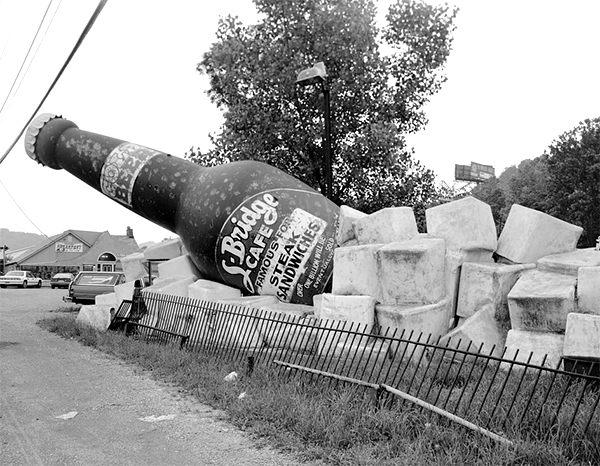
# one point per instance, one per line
(500, 397)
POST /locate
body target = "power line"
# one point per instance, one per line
(26, 56)
(87, 29)
(35, 53)
(22, 211)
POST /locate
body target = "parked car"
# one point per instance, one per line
(87, 285)
(61, 280)
(20, 278)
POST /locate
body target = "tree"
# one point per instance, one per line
(376, 97)
(574, 178)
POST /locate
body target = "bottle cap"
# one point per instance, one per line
(33, 130)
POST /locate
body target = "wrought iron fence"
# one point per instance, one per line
(497, 396)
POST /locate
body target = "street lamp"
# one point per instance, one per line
(4, 248)
(318, 75)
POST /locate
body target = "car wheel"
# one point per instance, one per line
(25, 284)
(2, 286)
(39, 284)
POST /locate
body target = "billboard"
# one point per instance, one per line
(475, 172)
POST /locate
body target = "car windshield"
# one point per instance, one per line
(97, 279)
(62, 275)
(15, 274)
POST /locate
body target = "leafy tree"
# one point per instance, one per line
(379, 81)
(574, 178)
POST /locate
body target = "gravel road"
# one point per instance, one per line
(118, 407)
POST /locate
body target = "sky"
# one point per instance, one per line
(520, 74)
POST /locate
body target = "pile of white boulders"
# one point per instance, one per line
(528, 295)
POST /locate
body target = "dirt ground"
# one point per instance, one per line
(123, 417)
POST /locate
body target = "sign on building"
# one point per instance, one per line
(475, 172)
(68, 247)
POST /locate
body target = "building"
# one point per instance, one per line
(74, 251)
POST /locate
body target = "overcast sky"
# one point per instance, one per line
(520, 74)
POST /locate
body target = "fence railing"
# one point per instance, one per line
(497, 394)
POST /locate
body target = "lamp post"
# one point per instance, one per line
(317, 74)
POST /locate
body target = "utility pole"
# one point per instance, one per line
(4, 248)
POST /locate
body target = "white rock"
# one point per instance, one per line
(386, 226)
(254, 302)
(168, 249)
(357, 309)
(107, 299)
(411, 272)
(481, 331)
(97, 316)
(317, 305)
(570, 262)
(540, 301)
(288, 325)
(134, 266)
(415, 323)
(464, 224)
(355, 270)
(549, 345)
(454, 260)
(529, 235)
(175, 286)
(588, 290)
(339, 313)
(207, 290)
(348, 216)
(180, 266)
(487, 285)
(582, 336)
(124, 291)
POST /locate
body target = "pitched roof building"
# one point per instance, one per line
(76, 250)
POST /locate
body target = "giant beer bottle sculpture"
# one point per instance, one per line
(245, 224)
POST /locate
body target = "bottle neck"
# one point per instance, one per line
(144, 180)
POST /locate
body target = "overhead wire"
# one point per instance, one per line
(40, 42)
(26, 55)
(84, 33)
(22, 211)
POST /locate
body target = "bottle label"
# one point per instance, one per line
(279, 242)
(121, 169)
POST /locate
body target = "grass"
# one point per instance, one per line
(341, 426)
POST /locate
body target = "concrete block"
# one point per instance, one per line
(317, 305)
(529, 235)
(175, 286)
(207, 290)
(582, 336)
(254, 302)
(588, 290)
(168, 249)
(180, 266)
(487, 285)
(238, 328)
(347, 218)
(289, 326)
(124, 291)
(134, 266)
(97, 316)
(481, 330)
(414, 323)
(570, 262)
(464, 224)
(357, 313)
(386, 226)
(109, 299)
(357, 309)
(411, 272)
(454, 260)
(355, 270)
(521, 344)
(541, 301)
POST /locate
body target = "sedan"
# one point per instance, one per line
(61, 280)
(87, 285)
(20, 278)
